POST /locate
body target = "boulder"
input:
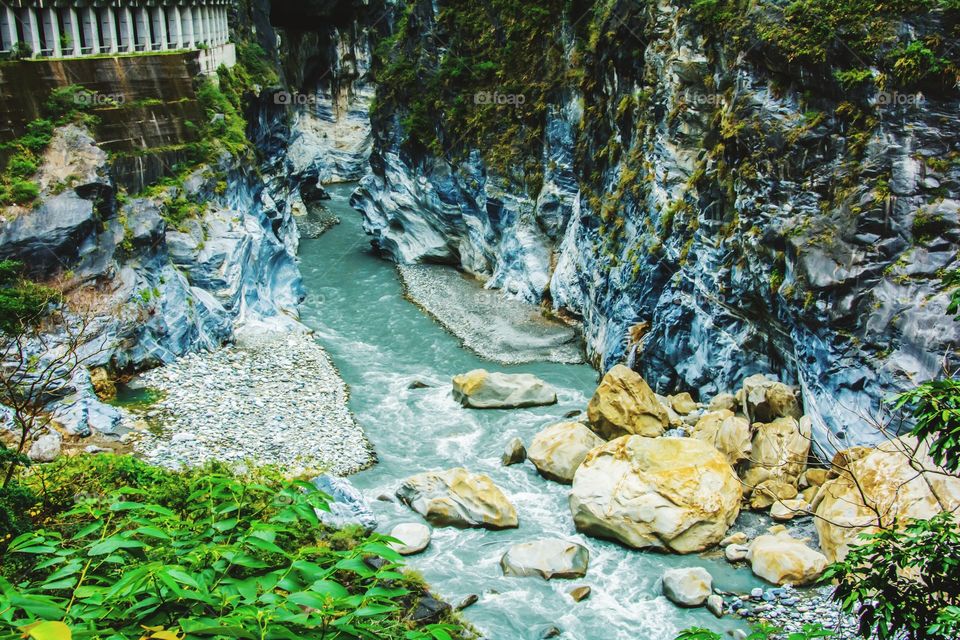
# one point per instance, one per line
(784, 510)
(481, 389)
(780, 449)
(514, 453)
(687, 587)
(580, 593)
(715, 605)
(729, 434)
(736, 552)
(813, 478)
(734, 538)
(458, 498)
(766, 399)
(414, 537)
(879, 487)
(782, 559)
(770, 491)
(347, 504)
(677, 494)
(624, 404)
(559, 449)
(548, 558)
(46, 448)
(683, 403)
(723, 401)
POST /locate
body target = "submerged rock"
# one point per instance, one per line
(687, 587)
(676, 494)
(514, 453)
(559, 449)
(624, 404)
(481, 389)
(580, 593)
(458, 498)
(548, 558)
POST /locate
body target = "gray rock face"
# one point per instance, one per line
(734, 254)
(347, 504)
(549, 558)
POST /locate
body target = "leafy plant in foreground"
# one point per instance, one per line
(238, 560)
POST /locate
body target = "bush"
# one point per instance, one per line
(21, 301)
(904, 583)
(204, 553)
(22, 192)
(22, 165)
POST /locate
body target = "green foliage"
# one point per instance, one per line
(905, 583)
(205, 553)
(178, 210)
(22, 302)
(951, 282)
(22, 166)
(935, 408)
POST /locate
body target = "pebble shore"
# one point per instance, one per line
(267, 400)
(789, 610)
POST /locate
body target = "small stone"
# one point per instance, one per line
(756, 593)
(736, 552)
(551, 632)
(418, 384)
(413, 536)
(572, 414)
(715, 605)
(470, 600)
(580, 593)
(734, 538)
(514, 453)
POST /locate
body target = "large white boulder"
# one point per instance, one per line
(548, 558)
(458, 498)
(559, 449)
(676, 494)
(687, 587)
(624, 404)
(414, 537)
(877, 487)
(782, 559)
(481, 389)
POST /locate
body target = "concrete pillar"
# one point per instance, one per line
(51, 31)
(108, 27)
(226, 24)
(31, 27)
(208, 26)
(142, 20)
(9, 28)
(186, 27)
(127, 31)
(75, 41)
(176, 21)
(161, 21)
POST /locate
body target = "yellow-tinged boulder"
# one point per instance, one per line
(676, 494)
(878, 487)
(559, 449)
(683, 403)
(769, 491)
(458, 498)
(624, 404)
(780, 448)
(782, 559)
(765, 399)
(728, 433)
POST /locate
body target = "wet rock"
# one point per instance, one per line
(548, 558)
(676, 494)
(347, 504)
(687, 587)
(418, 384)
(715, 605)
(429, 610)
(514, 453)
(469, 601)
(458, 498)
(559, 449)
(580, 593)
(46, 448)
(888, 480)
(481, 389)
(782, 559)
(572, 414)
(551, 632)
(624, 404)
(413, 536)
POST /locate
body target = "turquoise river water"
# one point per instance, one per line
(381, 343)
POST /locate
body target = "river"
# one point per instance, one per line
(381, 343)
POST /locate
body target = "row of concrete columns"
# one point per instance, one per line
(122, 28)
